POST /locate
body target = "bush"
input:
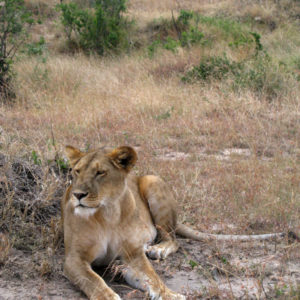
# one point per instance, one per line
(36, 48)
(263, 76)
(213, 68)
(258, 74)
(14, 20)
(101, 29)
(185, 17)
(170, 44)
(185, 28)
(193, 36)
(152, 48)
(227, 28)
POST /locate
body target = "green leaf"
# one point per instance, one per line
(193, 264)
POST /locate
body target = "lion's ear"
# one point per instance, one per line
(123, 158)
(73, 154)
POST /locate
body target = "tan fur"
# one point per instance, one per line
(108, 213)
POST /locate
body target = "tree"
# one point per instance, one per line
(14, 23)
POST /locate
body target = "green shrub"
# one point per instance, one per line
(258, 44)
(185, 17)
(213, 68)
(14, 22)
(35, 157)
(263, 76)
(259, 74)
(153, 47)
(193, 36)
(73, 18)
(36, 48)
(296, 67)
(228, 28)
(185, 27)
(100, 29)
(62, 164)
(235, 33)
(170, 44)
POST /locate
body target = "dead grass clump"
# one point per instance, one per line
(161, 28)
(42, 8)
(166, 71)
(266, 14)
(5, 248)
(28, 210)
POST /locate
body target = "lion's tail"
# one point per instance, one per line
(190, 233)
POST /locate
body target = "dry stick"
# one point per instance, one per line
(175, 26)
(222, 269)
(228, 281)
(178, 4)
(53, 142)
(112, 265)
(263, 288)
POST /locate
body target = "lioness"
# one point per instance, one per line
(108, 213)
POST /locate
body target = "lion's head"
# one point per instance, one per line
(99, 177)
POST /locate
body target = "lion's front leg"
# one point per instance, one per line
(80, 273)
(140, 274)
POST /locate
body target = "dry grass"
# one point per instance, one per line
(5, 248)
(42, 8)
(135, 100)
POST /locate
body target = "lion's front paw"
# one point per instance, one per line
(174, 296)
(107, 296)
(167, 295)
(116, 297)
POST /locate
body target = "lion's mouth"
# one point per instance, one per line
(81, 205)
(84, 206)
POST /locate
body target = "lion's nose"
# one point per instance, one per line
(79, 196)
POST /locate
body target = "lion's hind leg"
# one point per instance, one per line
(162, 207)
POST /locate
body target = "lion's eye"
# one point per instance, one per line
(101, 173)
(77, 172)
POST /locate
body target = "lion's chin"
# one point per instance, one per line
(84, 211)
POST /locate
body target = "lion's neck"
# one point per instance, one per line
(117, 211)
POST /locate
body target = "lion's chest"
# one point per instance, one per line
(109, 243)
(107, 249)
